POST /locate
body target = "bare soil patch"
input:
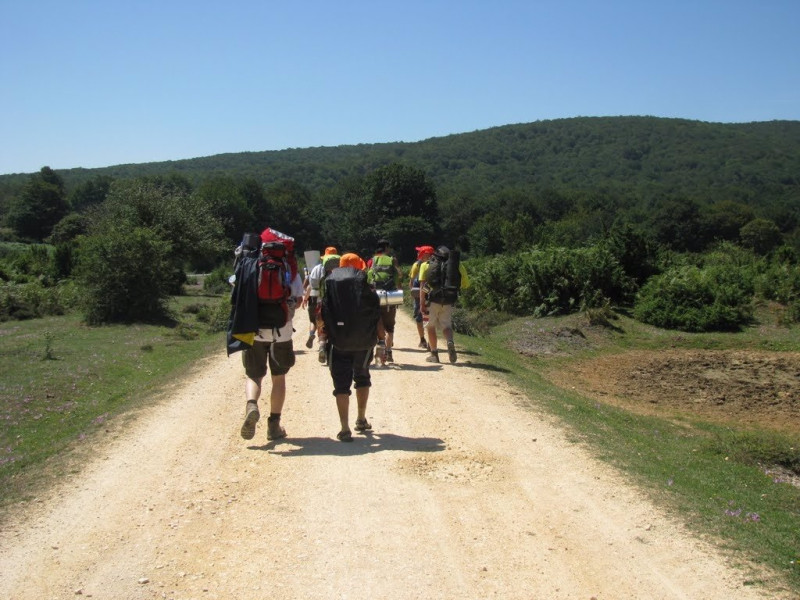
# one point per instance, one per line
(750, 388)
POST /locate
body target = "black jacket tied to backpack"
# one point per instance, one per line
(243, 323)
(350, 309)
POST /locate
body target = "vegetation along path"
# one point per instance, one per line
(459, 492)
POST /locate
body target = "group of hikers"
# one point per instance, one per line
(351, 305)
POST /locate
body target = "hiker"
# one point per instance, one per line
(330, 260)
(266, 291)
(442, 277)
(383, 273)
(312, 292)
(350, 310)
(423, 254)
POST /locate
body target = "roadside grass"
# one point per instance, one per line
(722, 482)
(63, 383)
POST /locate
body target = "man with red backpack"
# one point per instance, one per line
(267, 288)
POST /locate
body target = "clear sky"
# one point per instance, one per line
(92, 83)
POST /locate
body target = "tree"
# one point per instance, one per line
(170, 211)
(395, 191)
(761, 236)
(121, 273)
(90, 193)
(39, 207)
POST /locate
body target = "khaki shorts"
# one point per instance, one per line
(279, 357)
(440, 316)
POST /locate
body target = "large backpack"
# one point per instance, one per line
(444, 277)
(277, 267)
(350, 310)
(274, 285)
(383, 273)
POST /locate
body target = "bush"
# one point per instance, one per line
(33, 300)
(696, 300)
(216, 282)
(480, 322)
(122, 274)
(548, 281)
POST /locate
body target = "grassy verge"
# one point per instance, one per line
(717, 479)
(62, 383)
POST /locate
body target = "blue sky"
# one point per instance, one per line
(99, 83)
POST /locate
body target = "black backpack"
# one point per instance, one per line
(444, 277)
(350, 310)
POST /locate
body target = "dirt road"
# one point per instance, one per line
(458, 493)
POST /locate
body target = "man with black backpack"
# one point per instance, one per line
(350, 310)
(267, 287)
(441, 280)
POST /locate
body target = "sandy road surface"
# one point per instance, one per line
(458, 493)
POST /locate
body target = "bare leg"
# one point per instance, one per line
(343, 406)
(362, 395)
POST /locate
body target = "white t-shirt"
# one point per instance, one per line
(285, 332)
(314, 279)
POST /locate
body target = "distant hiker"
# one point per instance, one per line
(267, 288)
(442, 277)
(312, 292)
(383, 273)
(330, 260)
(423, 254)
(350, 311)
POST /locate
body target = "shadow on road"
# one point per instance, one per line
(366, 443)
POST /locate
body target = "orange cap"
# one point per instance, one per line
(352, 260)
(330, 250)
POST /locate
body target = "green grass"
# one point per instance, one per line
(62, 383)
(715, 478)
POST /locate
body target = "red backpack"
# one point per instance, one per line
(277, 267)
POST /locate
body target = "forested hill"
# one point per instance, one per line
(634, 156)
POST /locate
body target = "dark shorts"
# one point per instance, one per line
(388, 316)
(279, 356)
(312, 308)
(417, 311)
(349, 367)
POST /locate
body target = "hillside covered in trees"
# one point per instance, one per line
(648, 188)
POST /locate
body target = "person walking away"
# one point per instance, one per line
(330, 260)
(350, 311)
(311, 296)
(266, 291)
(442, 277)
(384, 273)
(423, 254)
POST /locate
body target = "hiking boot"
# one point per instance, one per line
(322, 355)
(389, 357)
(433, 357)
(362, 425)
(422, 344)
(251, 417)
(274, 430)
(451, 352)
(310, 341)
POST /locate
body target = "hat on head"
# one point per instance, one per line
(352, 260)
(423, 250)
(443, 251)
(330, 250)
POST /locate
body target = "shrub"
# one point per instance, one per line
(694, 299)
(548, 281)
(122, 274)
(216, 282)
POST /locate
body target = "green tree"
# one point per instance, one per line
(227, 202)
(173, 214)
(90, 193)
(761, 236)
(41, 205)
(121, 272)
(394, 191)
